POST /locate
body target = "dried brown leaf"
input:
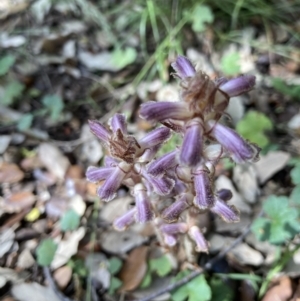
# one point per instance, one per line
(10, 173)
(134, 268)
(282, 291)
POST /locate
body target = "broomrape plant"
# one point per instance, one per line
(175, 189)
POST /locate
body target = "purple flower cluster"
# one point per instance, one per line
(183, 178)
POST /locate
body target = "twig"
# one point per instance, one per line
(52, 284)
(200, 271)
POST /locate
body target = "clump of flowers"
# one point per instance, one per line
(175, 189)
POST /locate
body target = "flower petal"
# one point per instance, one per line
(96, 174)
(183, 67)
(159, 166)
(122, 222)
(175, 228)
(198, 237)
(240, 150)
(118, 122)
(159, 111)
(228, 213)
(204, 195)
(191, 149)
(143, 207)
(99, 130)
(238, 85)
(155, 137)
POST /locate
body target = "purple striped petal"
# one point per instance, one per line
(183, 67)
(224, 194)
(122, 222)
(170, 240)
(159, 166)
(238, 85)
(99, 130)
(228, 213)
(96, 174)
(149, 153)
(108, 190)
(118, 122)
(171, 229)
(240, 150)
(159, 111)
(198, 237)
(161, 186)
(155, 137)
(143, 207)
(191, 149)
(203, 188)
(110, 161)
(172, 212)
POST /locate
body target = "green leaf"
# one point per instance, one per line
(115, 283)
(195, 290)
(12, 90)
(54, 104)
(295, 174)
(253, 126)
(162, 266)
(281, 223)
(201, 15)
(25, 122)
(115, 265)
(220, 290)
(230, 63)
(290, 90)
(5, 63)
(260, 228)
(45, 252)
(295, 196)
(123, 57)
(70, 221)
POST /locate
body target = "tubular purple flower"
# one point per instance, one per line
(238, 85)
(110, 161)
(172, 212)
(170, 240)
(224, 194)
(240, 150)
(99, 130)
(228, 213)
(161, 186)
(108, 190)
(204, 195)
(175, 228)
(96, 174)
(183, 67)
(125, 220)
(159, 166)
(155, 137)
(198, 237)
(149, 153)
(118, 122)
(191, 149)
(143, 207)
(159, 111)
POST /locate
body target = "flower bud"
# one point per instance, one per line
(155, 137)
(175, 228)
